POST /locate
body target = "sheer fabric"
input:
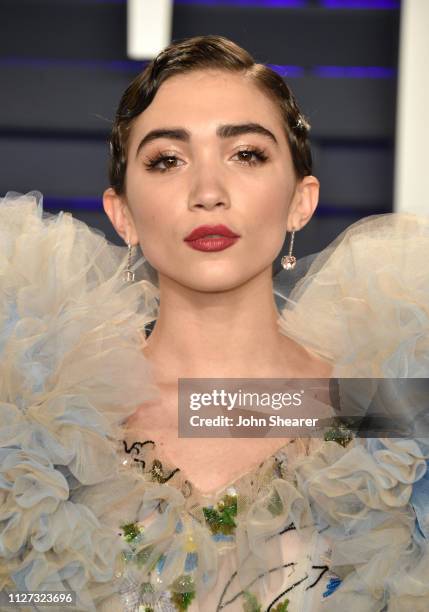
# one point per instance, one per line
(324, 525)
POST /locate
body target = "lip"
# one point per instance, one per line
(212, 244)
(208, 230)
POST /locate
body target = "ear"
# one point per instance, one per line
(120, 216)
(304, 202)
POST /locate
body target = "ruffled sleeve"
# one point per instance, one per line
(363, 304)
(67, 322)
(364, 301)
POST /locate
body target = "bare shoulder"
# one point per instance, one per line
(321, 368)
(304, 362)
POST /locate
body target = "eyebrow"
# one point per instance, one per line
(228, 130)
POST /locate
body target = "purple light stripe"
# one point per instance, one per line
(331, 72)
(330, 4)
(287, 71)
(96, 205)
(354, 72)
(279, 3)
(361, 4)
(70, 203)
(126, 65)
(336, 210)
(261, 3)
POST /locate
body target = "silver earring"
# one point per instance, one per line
(129, 274)
(288, 261)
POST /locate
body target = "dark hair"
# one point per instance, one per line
(196, 53)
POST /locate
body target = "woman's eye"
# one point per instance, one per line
(247, 157)
(258, 153)
(153, 162)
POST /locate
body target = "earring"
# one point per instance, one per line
(288, 261)
(129, 274)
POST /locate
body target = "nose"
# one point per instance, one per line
(208, 187)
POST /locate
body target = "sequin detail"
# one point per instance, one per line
(220, 518)
(183, 592)
(281, 607)
(339, 433)
(251, 603)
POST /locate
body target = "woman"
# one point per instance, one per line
(229, 170)
(204, 136)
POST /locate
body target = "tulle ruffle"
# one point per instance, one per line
(72, 371)
(363, 304)
(364, 301)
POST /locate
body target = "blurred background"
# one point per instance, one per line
(64, 65)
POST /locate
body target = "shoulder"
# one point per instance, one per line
(364, 299)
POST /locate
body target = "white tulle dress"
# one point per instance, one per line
(324, 524)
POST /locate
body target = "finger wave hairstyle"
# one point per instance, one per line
(196, 53)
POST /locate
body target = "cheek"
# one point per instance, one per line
(270, 213)
(153, 209)
(272, 196)
(157, 231)
(269, 225)
(150, 226)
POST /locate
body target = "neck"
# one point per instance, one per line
(232, 333)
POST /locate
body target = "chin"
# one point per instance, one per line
(209, 282)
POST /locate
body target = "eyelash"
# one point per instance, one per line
(154, 161)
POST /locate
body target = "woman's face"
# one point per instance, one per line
(242, 179)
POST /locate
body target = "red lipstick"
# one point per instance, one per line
(211, 238)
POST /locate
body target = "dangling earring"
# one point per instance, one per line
(129, 274)
(288, 261)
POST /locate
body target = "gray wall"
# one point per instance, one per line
(63, 68)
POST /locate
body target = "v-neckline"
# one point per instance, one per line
(145, 452)
(173, 468)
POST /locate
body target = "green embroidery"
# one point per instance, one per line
(251, 604)
(221, 518)
(131, 534)
(339, 433)
(182, 592)
(281, 607)
(275, 505)
(131, 531)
